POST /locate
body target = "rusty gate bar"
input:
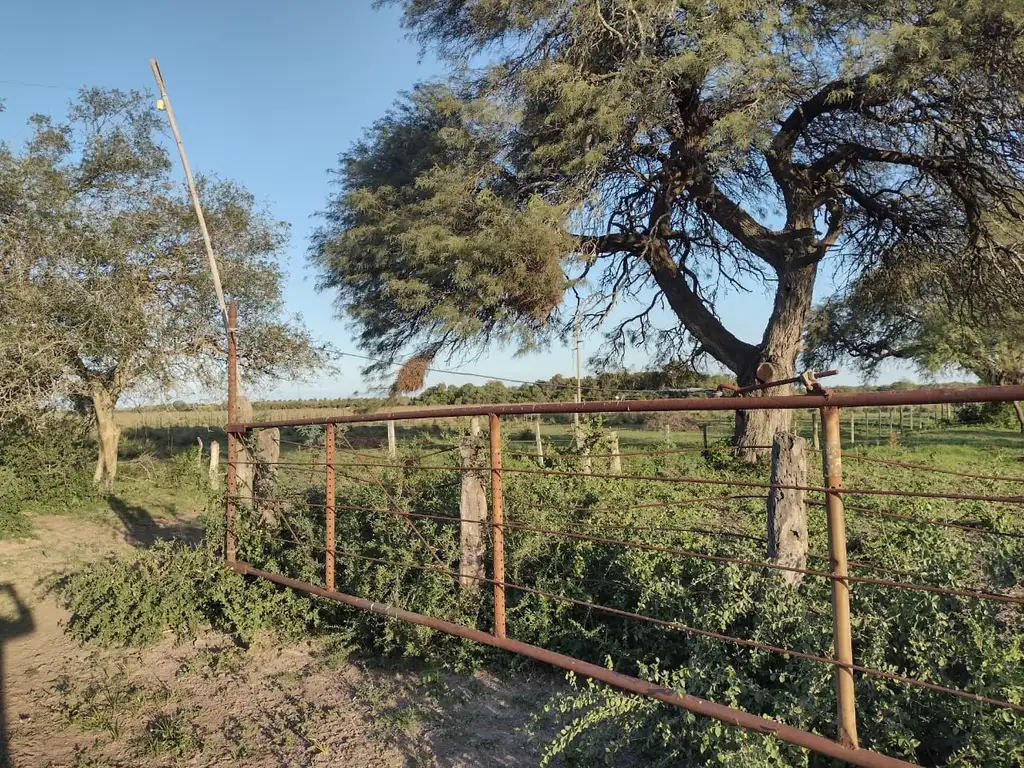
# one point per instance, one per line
(329, 508)
(758, 403)
(842, 639)
(230, 544)
(497, 532)
(860, 757)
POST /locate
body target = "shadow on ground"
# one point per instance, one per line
(142, 529)
(10, 627)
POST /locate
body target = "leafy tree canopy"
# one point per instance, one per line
(105, 273)
(655, 151)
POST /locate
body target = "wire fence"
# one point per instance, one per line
(512, 516)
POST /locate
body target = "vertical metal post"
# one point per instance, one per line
(229, 521)
(329, 542)
(842, 640)
(497, 531)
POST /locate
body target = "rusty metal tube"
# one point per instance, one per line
(497, 531)
(784, 402)
(230, 544)
(842, 637)
(329, 502)
(728, 715)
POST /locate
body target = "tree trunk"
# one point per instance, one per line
(1020, 415)
(108, 436)
(787, 516)
(780, 346)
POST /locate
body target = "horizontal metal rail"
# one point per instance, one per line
(729, 715)
(774, 402)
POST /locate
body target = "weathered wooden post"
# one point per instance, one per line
(392, 447)
(329, 502)
(214, 465)
(853, 427)
(199, 456)
(704, 433)
(787, 515)
(246, 470)
(814, 430)
(842, 638)
(615, 465)
(472, 513)
(540, 443)
(497, 529)
(583, 448)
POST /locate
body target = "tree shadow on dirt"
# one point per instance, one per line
(143, 530)
(10, 628)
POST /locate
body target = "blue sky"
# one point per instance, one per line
(267, 94)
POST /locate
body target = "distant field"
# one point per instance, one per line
(871, 427)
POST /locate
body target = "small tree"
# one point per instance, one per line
(104, 251)
(969, 321)
(654, 151)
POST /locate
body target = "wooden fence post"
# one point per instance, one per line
(853, 427)
(704, 432)
(787, 515)
(214, 465)
(842, 639)
(615, 465)
(497, 530)
(814, 430)
(392, 447)
(329, 502)
(199, 456)
(472, 513)
(540, 443)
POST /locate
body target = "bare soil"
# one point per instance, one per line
(210, 702)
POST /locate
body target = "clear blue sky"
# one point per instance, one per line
(266, 93)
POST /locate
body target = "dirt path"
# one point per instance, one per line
(212, 703)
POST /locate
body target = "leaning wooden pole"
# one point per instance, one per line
(214, 272)
(842, 636)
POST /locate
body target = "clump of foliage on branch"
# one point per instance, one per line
(656, 153)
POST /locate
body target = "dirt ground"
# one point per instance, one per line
(212, 703)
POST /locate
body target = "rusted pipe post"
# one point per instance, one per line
(497, 532)
(842, 639)
(329, 508)
(229, 522)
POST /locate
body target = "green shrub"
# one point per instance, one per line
(131, 599)
(14, 523)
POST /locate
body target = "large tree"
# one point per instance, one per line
(656, 151)
(104, 275)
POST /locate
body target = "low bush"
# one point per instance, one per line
(395, 559)
(45, 467)
(132, 599)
